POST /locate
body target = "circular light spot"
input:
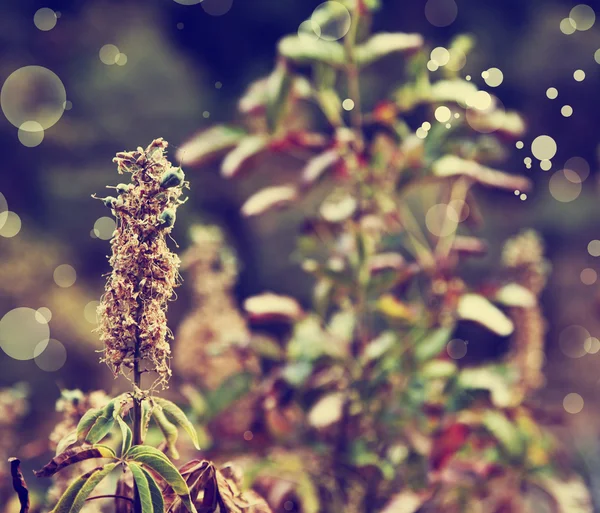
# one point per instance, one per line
(588, 276)
(331, 20)
(68, 105)
(441, 220)
(50, 356)
(527, 160)
(572, 341)
(517, 192)
(89, 312)
(519, 145)
(573, 403)
(456, 348)
(457, 115)
(218, 85)
(108, 54)
(468, 77)
(216, 7)
(11, 225)
(552, 93)
(481, 100)
(206, 114)
(45, 19)
(546, 165)
(564, 189)
(30, 134)
(543, 147)
(443, 114)
(494, 77)
(432, 65)
(33, 93)
(121, 59)
(441, 13)
(594, 248)
(43, 315)
(579, 75)
(592, 345)
(20, 333)
(188, 2)
(104, 227)
(180, 26)
(64, 275)
(348, 104)
(308, 30)
(567, 26)
(578, 165)
(523, 196)
(248, 435)
(583, 17)
(426, 126)
(566, 111)
(448, 125)
(440, 55)
(421, 133)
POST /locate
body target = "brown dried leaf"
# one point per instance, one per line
(71, 456)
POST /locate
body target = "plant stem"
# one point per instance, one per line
(137, 419)
(109, 497)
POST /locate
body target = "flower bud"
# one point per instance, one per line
(167, 218)
(172, 178)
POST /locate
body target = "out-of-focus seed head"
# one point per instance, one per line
(132, 312)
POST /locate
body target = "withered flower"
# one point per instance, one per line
(132, 312)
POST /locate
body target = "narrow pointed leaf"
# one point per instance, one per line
(279, 86)
(155, 493)
(432, 345)
(104, 423)
(268, 199)
(159, 463)
(247, 148)
(384, 44)
(168, 429)
(476, 308)
(207, 144)
(126, 435)
(316, 166)
(87, 421)
(143, 487)
(95, 478)
(305, 50)
(72, 456)
(176, 416)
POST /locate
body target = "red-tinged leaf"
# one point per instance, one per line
(72, 456)
(469, 246)
(309, 140)
(209, 143)
(247, 148)
(452, 166)
(446, 443)
(316, 166)
(269, 307)
(268, 199)
(383, 44)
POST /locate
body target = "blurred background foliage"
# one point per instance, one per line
(167, 88)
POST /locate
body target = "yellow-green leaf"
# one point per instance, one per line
(175, 415)
(72, 456)
(143, 488)
(169, 431)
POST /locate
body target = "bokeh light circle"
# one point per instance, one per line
(65, 275)
(571, 341)
(10, 224)
(45, 19)
(592, 345)
(89, 312)
(30, 134)
(348, 104)
(567, 26)
(33, 93)
(552, 93)
(441, 220)
(104, 227)
(43, 315)
(331, 20)
(217, 7)
(566, 111)
(573, 403)
(187, 2)
(3, 210)
(594, 248)
(588, 276)
(583, 17)
(440, 55)
(579, 75)
(456, 348)
(562, 188)
(20, 333)
(308, 30)
(50, 355)
(441, 13)
(543, 147)
(494, 77)
(580, 166)
(108, 54)
(443, 114)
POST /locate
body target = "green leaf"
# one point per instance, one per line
(206, 144)
(175, 415)
(104, 423)
(279, 86)
(383, 44)
(141, 482)
(155, 493)
(126, 434)
(247, 148)
(432, 345)
(305, 50)
(74, 498)
(72, 456)
(168, 429)
(87, 421)
(232, 389)
(505, 432)
(158, 462)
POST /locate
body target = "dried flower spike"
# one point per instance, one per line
(132, 313)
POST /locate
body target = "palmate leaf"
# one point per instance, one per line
(156, 461)
(150, 496)
(87, 421)
(72, 456)
(103, 424)
(175, 415)
(74, 498)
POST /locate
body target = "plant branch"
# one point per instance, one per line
(110, 497)
(19, 484)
